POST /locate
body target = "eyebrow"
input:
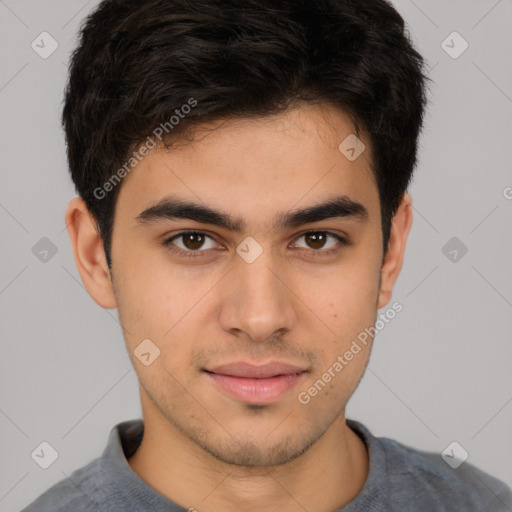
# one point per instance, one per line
(170, 208)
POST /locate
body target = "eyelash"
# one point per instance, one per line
(168, 244)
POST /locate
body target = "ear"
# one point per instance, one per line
(394, 257)
(89, 254)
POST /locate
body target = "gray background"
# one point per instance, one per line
(440, 371)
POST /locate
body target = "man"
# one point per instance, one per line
(242, 170)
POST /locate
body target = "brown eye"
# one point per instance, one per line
(191, 242)
(316, 240)
(195, 243)
(319, 241)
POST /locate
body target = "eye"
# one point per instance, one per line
(192, 242)
(317, 240)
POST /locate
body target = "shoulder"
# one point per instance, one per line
(104, 483)
(432, 480)
(71, 494)
(409, 475)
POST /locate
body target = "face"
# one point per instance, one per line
(251, 307)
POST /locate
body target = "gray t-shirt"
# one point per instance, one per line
(400, 479)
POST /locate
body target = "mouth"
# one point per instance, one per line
(248, 383)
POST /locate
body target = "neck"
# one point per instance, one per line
(324, 478)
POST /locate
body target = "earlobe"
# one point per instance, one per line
(400, 228)
(89, 254)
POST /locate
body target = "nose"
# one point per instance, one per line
(257, 302)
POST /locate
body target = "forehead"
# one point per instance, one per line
(259, 166)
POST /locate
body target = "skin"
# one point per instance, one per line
(201, 448)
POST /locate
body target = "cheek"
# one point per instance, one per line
(169, 309)
(347, 306)
(331, 386)
(348, 300)
(155, 295)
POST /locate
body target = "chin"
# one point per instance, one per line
(257, 453)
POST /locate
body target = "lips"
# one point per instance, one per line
(250, 371)
(253, 384)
